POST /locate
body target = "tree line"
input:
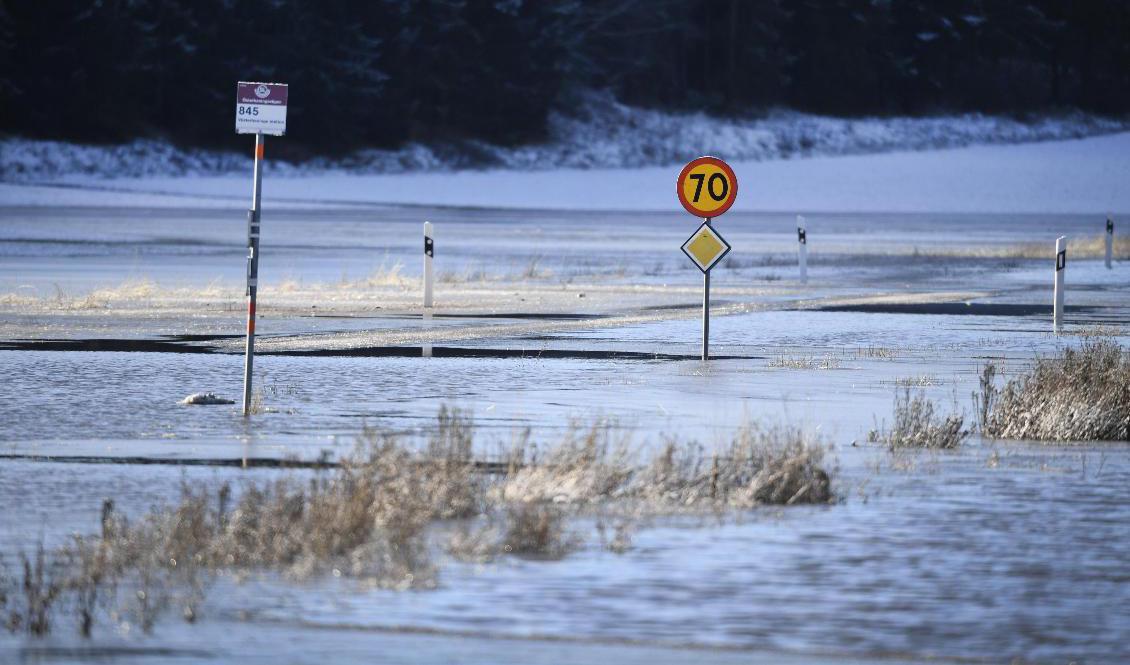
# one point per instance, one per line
(384, 72)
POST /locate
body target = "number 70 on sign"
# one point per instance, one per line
(707, 187)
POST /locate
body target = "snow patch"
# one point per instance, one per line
(1078, 176)
(600, 134)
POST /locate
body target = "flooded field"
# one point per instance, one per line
(993, 551)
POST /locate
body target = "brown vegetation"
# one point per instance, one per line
(1079, 394)
(1084, 247)
(805, 362)
(536, 529)
(759, 466)
(918, 425)
(375, 516)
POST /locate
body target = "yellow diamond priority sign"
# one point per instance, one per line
(706, 247)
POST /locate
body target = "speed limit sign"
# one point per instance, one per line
(707, 187)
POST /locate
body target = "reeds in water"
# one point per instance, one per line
(917, 423)
(375, 516)
(1079, 394)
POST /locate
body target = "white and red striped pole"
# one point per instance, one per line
(252, 269)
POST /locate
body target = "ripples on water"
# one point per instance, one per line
(953, 557)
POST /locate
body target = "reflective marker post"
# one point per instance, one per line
(802, 245)
(1060, 265)
(1109, 240)
(429, 280)
(429, 253)
(252, 268)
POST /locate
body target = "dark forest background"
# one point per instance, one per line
(382, 72)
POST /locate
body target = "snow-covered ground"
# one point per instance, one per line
(597, 133)
(1090, 175)
(606, 155)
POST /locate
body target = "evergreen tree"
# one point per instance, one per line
(385, 72)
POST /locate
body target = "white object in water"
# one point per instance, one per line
(429, 253)
(802, 243)
(1060, 267)
(1109, 239)
(205, 398)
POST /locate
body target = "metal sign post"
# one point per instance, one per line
(706, 309)
(706, 188)
(252, 268)
(260, 108)
(705, 249)
(1060, 265)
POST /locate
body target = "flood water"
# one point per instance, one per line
(995, 551)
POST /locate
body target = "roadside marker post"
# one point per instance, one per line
(1109, 240)
(802, 248)
(429, 281)
(260, 109)
(426, 347)
(429, 254)
(706, 187)
(1060, 266)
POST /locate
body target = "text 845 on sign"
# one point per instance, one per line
(260, 108)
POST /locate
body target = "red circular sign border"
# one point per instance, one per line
(720, 164)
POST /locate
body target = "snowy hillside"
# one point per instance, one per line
(602, 133)
(1072, 176)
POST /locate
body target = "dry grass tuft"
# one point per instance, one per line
(917, 425)
(454, 483)
(533, 270)
(590, 464)
(42, 585)
(1099, 330)
(875, 353)
(475, 543)
(375, 516)
(466, 276)
(622, 532)
(131, 291)
(537, 529)
(1079, 394)
(805, 362)
(17, 300)
(759, 466)
(1095, 246)
(920, 381)
(136, 294)
(367, 519)
(777, 466)
(388, 276)
(1085, 247)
